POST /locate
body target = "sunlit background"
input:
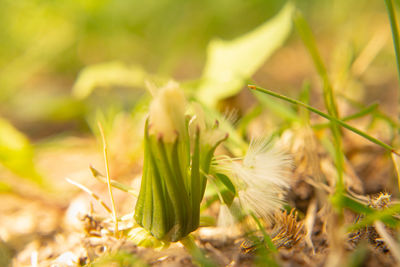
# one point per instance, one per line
(45, 44)
(65, 65)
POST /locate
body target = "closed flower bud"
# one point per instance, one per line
(167, 112)
(176, 163)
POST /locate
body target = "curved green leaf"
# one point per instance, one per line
(230, 63)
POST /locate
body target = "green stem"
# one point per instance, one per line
(361, 113)
(395, 32)
(326, 116)
(395, 36)
(267, 239)
(198, 256)
(308, 39)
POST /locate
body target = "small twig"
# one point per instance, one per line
(390, 242)
(108, 178)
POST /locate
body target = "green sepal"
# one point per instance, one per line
(196, 182)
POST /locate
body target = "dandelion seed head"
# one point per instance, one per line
(261, 178)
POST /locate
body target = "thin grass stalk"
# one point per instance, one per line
(396, 43)
(267, 239)
(363, 112)
(96, 174)
(114, 212)
(395, 32)
(92, 194)
(326, 116)
(330, 103)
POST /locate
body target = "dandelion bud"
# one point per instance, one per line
(176, 163)
(167, 112)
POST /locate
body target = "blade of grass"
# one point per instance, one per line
(108, 179)
(267, 239)
(308, 39)
(395, 32)
(305, 98)
(265, 253)
(396, 163)
(365, 111)
(378, 114)
(278, 110)
(326, 116)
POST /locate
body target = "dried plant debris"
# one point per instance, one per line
(369, 233)
(286, 232)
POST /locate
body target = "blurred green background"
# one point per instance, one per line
(67, 64)
(46, 45)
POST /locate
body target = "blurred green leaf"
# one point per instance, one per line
(230, 63)
(110, 74)
(16, 152)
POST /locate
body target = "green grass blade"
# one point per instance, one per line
(365, 111)
(126, 188)
(395, 32)
(267, 239)
(308, 39)
(195, 183)
(326, 116)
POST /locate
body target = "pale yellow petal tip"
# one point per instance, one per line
(167, 112)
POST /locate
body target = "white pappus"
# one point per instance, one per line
(261, 178)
